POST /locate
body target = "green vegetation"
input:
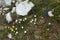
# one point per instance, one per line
(36, 30)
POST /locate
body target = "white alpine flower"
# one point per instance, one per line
(5, 8)
(16, 32)
(25, 31)
(49, 23)
(16, 3)
(13, 9)
(8, 2)
(8, 17)
(24, 7)
(10, 35)
(50, 13)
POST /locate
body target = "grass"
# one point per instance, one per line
(38, 31)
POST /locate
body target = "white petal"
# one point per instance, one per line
(49, 23)
(50, 13)
(8, 2)
(13, 9)
(25, 31)
(23, 8)
(5, 8)
(10, 35)
(8, 17)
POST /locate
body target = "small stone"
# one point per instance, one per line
(31, 21)
(11, 29)
(8, 17)
(50, 13)
(13, 1)
(5, 8)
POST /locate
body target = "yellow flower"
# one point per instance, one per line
(12, 29)
(13, 26)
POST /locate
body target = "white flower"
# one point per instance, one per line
(13, 1)
(16, 3)
(50, 13)
(5, 8)
(16, 20)
(49, 23)
(16, 32)
(15, 28)
(34, 15)
(10, 35)
(8, 17)
(22, 27)
(8, 2)
(25, 31)
(20, 19)
(25, 18)
(1, 2)
(23, 8)
(13, 9)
